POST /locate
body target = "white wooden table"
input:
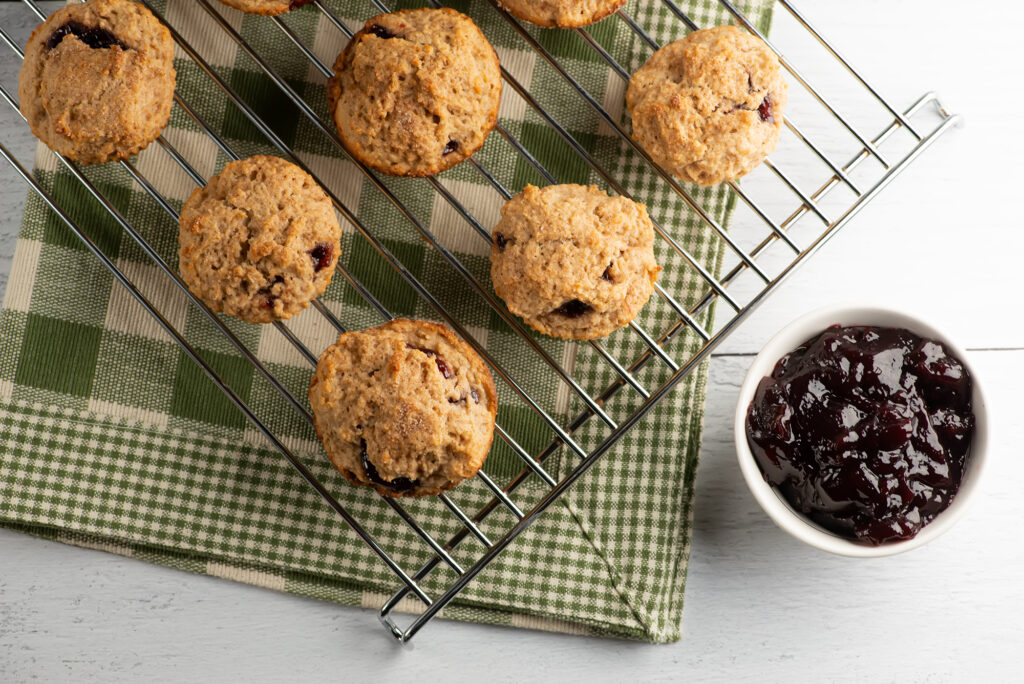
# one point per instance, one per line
(944, 241)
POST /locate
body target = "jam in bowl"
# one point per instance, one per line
(861, 431)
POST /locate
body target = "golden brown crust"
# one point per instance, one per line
(440, 79)
(412, 399)
(567, 14)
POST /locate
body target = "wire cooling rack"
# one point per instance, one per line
(760, 253)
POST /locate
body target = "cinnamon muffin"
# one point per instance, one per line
(266, 7)
(415, 92)
(562, 13)
(406, 408)
(97, 82)
(260, 241)
(572, 261)
(708, 108)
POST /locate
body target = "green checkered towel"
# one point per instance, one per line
(113, 438)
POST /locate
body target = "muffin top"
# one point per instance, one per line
(266, 7)
(97, 82)
(260, 241)
(708, 107)
(406, 407)
(572, 261)
(562, 13)
(415, 92)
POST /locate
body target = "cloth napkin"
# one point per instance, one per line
(113, 439)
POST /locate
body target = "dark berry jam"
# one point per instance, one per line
(321, 254)
(268, 292)
(501, 241)
(399, 484)
(765, 110)
(864, 430)
(573, 308)
(442, 365)
(380, 31)
(96, 38)
(450, 146)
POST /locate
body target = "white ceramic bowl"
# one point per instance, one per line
(788, 339)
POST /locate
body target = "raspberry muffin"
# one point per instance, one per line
(406, 408)
(266, 7)
(572, 261)
(562, 13)
(97, 82)
(415, 92)
(708, 108)
(260, 241)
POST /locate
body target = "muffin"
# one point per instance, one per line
(266, 7)
(406, 408)
(708, 108)
(97, 82)
(572, 261)
(415, 92)
(562, 13)
(260, 241)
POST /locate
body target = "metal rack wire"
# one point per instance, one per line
(657, 348)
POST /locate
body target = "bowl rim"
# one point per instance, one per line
(782, 514)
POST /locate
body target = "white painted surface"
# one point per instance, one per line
(943, 242)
